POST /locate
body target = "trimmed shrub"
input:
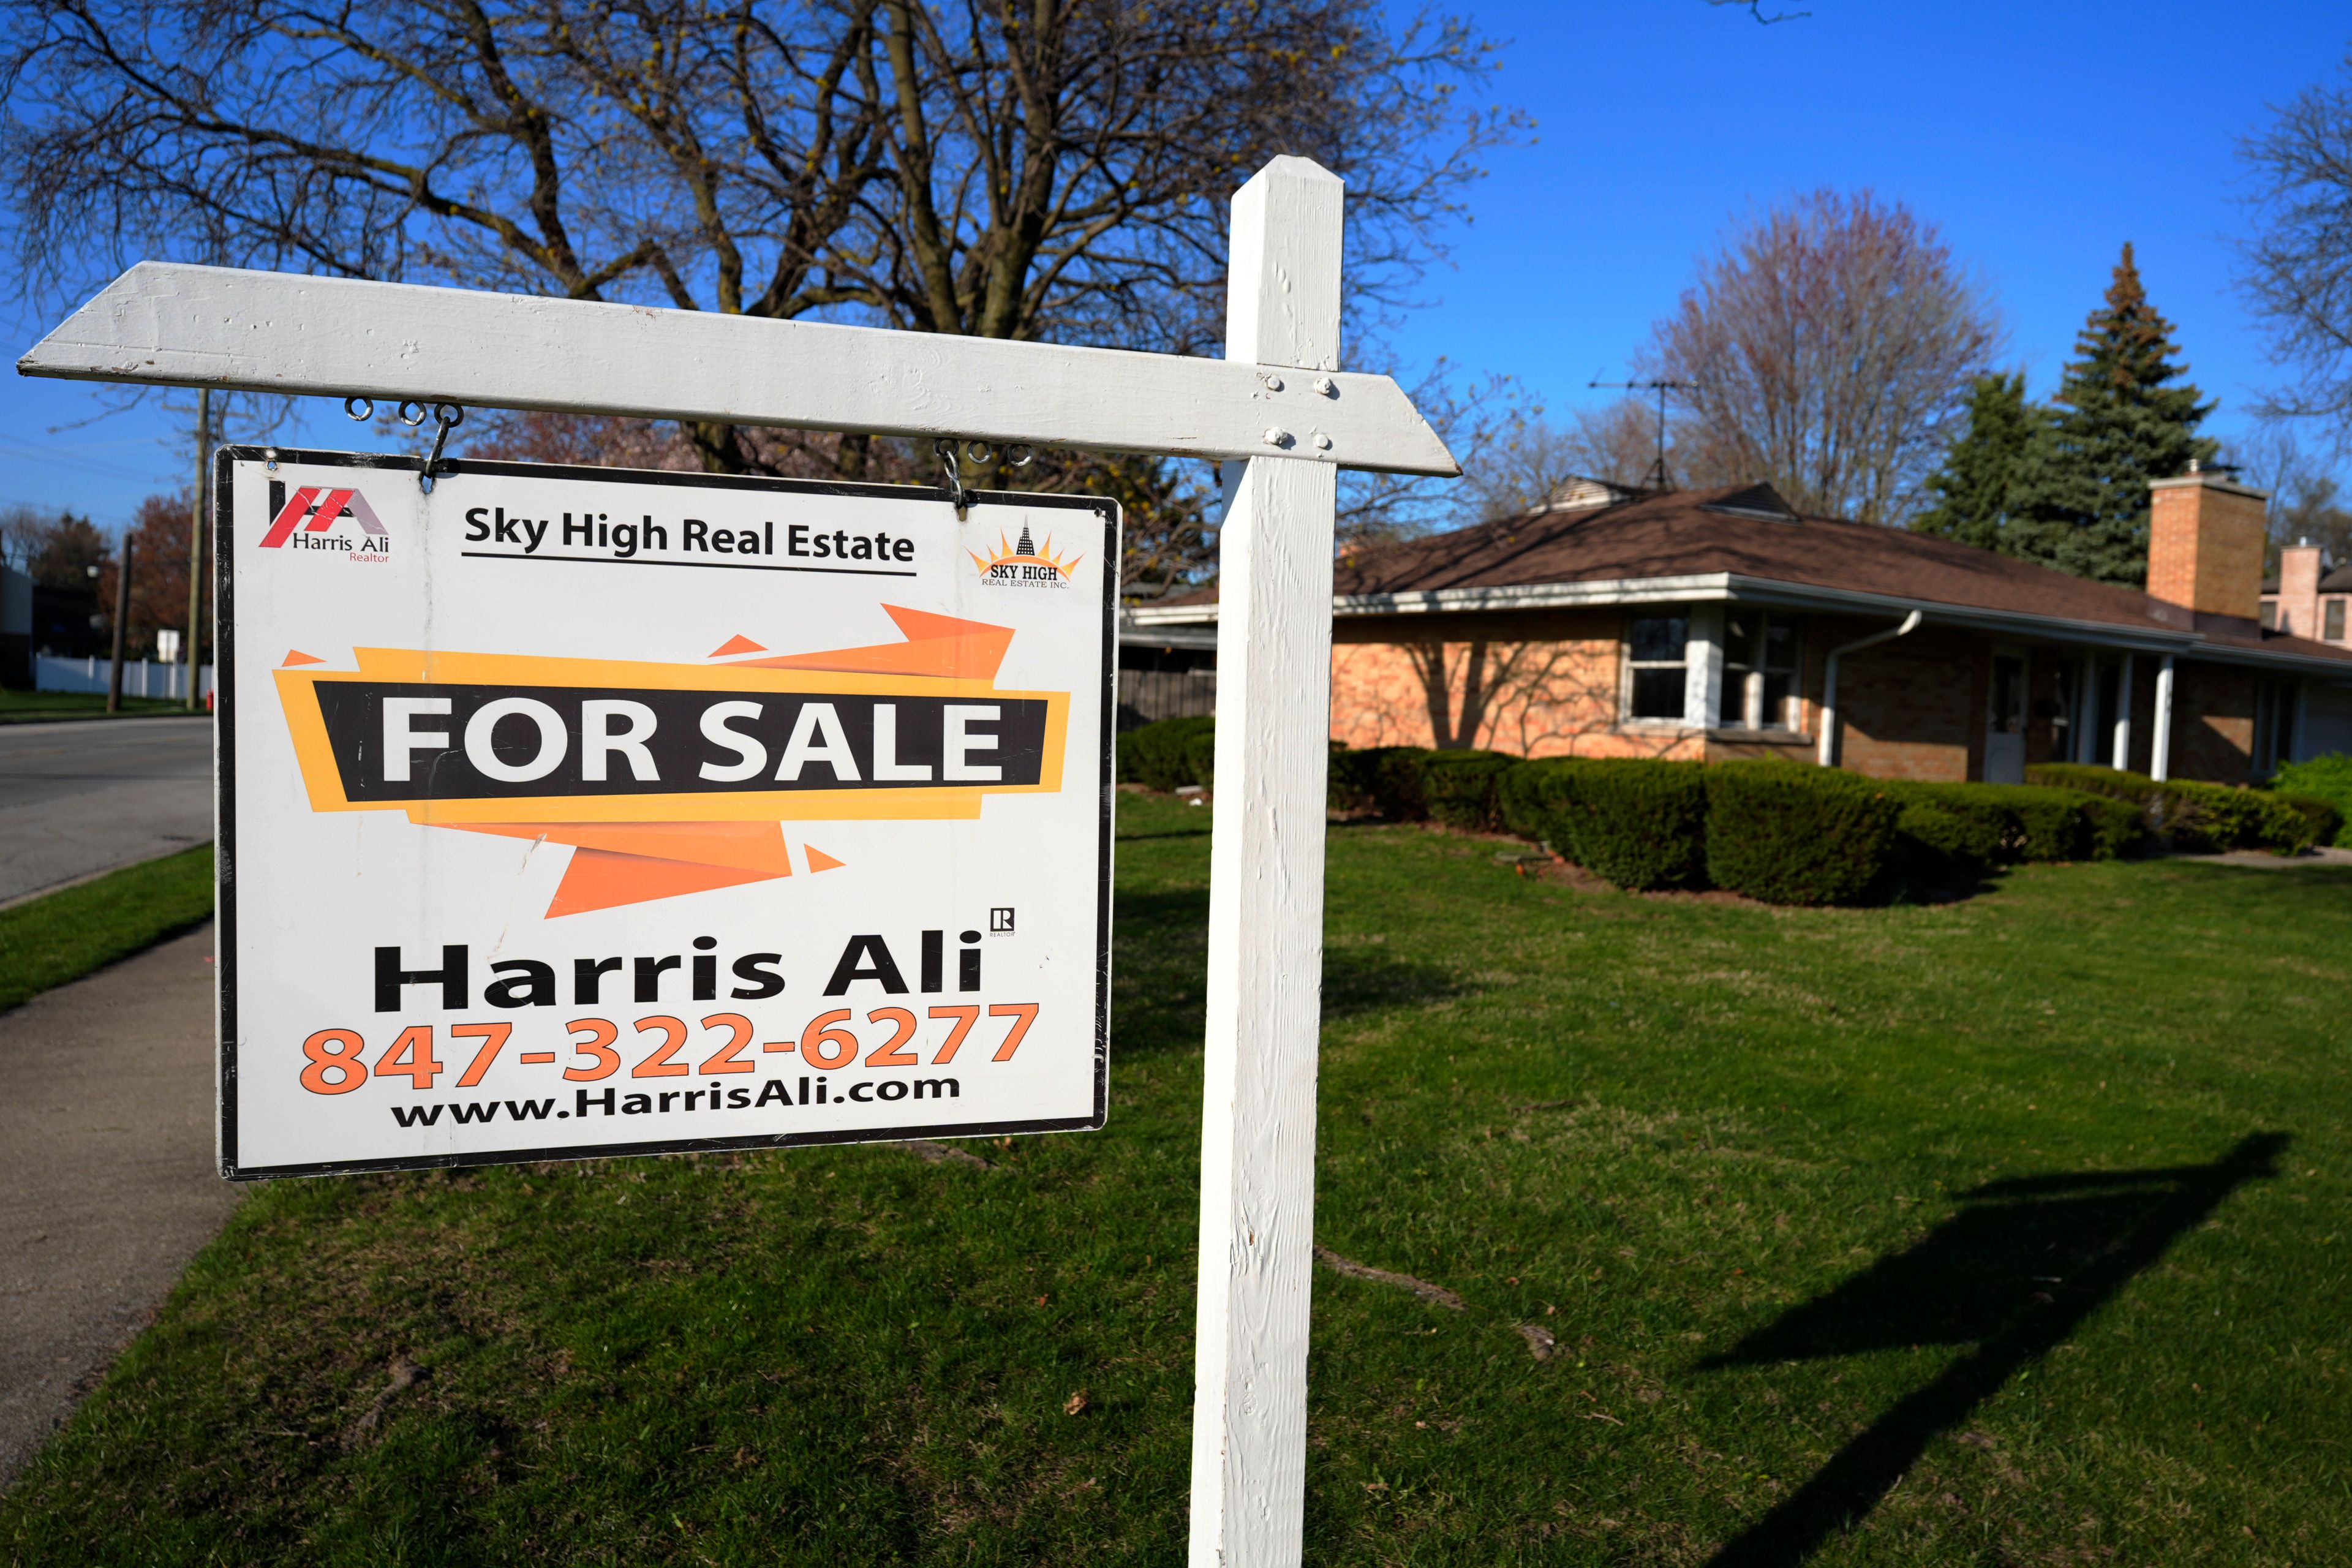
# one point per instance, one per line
(1162, 756)
(2206, 818)
(2203, 818)
(1201, 754)
(2115, 826)
(1640, 824)
(1382, 779)
(1935, 844)
(1979, 830)
(1789, 834)
(2327, 777)
(2318, 820)
(2006, 823)
(2092, 779)
(1459, 787)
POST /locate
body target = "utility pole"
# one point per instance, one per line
(121, 624)
(196, 542)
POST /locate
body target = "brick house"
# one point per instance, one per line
(1719, 623)
(2307, 598)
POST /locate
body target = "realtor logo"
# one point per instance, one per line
(313, 510)
(1024, 565)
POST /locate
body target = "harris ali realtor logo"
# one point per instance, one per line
(309, 519)
(1024, 565)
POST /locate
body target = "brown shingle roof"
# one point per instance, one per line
(1692, 532)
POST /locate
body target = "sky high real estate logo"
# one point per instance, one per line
(669, 779)
(1024, 566)
(306, 519)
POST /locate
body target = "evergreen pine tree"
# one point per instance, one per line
(2080, 498)
(1972, 489)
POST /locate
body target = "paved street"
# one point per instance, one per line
(82, 797)
(107, 1181)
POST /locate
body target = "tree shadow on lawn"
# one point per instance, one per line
(2014, 1275)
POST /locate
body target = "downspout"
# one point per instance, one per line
(2160, 745)
(1828, 743)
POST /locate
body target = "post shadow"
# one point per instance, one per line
(2013, 1274)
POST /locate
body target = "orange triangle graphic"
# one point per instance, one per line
(935, 645)
(630, 862)
(296, 656)
(819, 860)
(600, 879)
(734, 645)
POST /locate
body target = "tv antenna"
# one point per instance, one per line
(1656, 477)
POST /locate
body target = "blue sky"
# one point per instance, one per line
(2038, 137)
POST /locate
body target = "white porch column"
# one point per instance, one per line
(2122, 752)
(2160, 762)
(1265, 899)
(1702, 667)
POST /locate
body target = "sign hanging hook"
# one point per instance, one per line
(446, 416)
(1019, 454)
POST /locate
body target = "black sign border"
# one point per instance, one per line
(225, 462)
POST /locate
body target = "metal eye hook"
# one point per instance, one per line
(1020, 454)
(363, 411)
(448, 416)
(979, 452)
(405, 418)
(958, 496)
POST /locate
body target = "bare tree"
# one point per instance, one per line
(1529, 458)
(1055, 169)
(2296, 269)
(22, 530)
(1830, 345)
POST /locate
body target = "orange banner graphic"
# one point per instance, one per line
(633, 846)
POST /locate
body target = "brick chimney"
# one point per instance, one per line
(2205, 550)
(2298, 590)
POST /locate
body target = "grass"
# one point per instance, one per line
(2010, 1231)
(40, 707)
(66, 934)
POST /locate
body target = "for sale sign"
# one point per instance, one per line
(571, 811)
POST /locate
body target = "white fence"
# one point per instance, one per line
(144, 679)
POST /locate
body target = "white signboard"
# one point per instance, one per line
(568, 812)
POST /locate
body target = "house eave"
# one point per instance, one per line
(1778, 593)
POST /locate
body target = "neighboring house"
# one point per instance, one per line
(2307, 599)
(1712, 623)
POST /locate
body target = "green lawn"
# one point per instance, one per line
(2011, 1231)
(37, 707)
(66, 934)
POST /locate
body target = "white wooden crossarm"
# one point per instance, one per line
(173, 325)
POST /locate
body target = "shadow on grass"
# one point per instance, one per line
(2013, 1274)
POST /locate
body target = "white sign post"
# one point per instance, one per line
(1277, 408)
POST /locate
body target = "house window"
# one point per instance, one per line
(2273, 726)
(2270, 615)
(2335, 632)
(1759, 671)
(1655, 656)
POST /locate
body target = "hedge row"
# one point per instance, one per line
(2206, 818)
(1169, 754)
(1777, 831)
(2326, 778)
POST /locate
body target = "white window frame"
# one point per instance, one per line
(1751, 679)
(1628, 665)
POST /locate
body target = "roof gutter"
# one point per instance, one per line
(1774, 594)
(1829, 736)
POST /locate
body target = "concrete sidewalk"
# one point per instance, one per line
(107, 1181)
